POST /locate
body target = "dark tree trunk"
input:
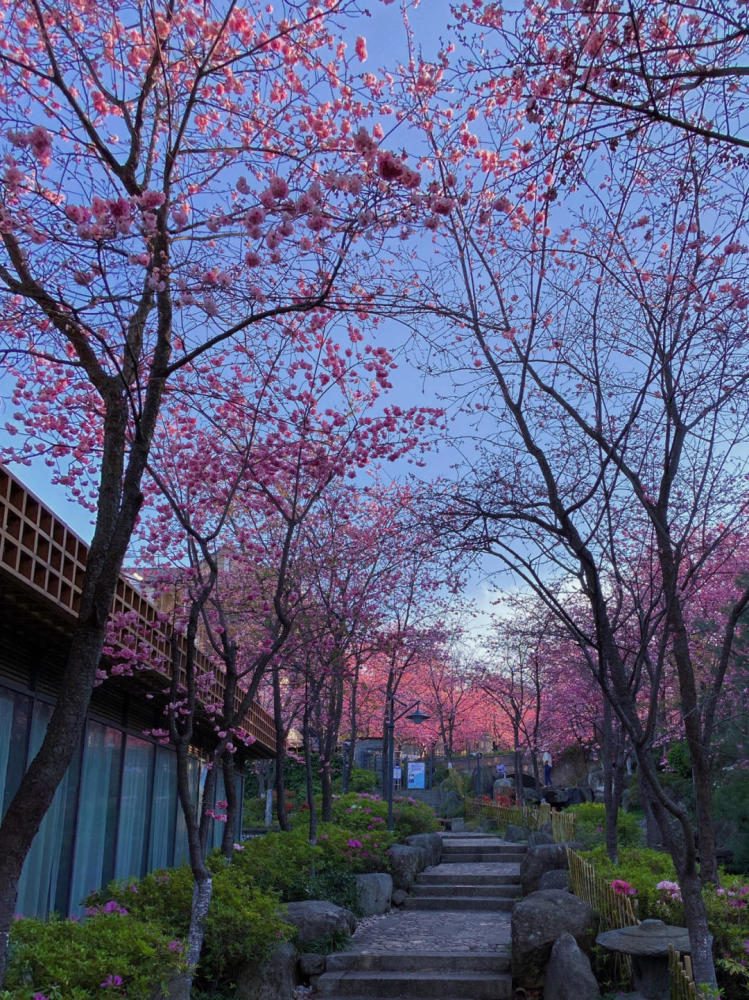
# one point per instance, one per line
(233, 805)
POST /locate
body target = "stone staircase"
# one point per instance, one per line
(423, 975)
(452, 938)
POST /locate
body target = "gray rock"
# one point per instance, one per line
(318, 918)
(557, 878)
(502, 786)
(406, 863)
(516, 834)
(310, 964)
(531, 795)
(451, 803)
(557, 796)
(537, 921)
(373, 892)
(539, 837)
(568, 974)
(430, 842)
(540, 859)
(399, 897)
(273, 979)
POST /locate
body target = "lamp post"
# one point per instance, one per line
(390, 720)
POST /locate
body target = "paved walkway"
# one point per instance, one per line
(466, 931)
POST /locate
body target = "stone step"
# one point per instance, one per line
(477, 888)
(479, 846)
(464, 878)
(421, 984)
(483, 857)
(429, 962)
(458, 903)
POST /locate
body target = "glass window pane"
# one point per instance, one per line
(163, 811)
(93, 865)
(37, 889)
(132, 831)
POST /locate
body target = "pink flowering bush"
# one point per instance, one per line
(623, 888)
(107, 955)
(365, 811)
(361, 851)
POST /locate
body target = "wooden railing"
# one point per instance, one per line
(39, 551)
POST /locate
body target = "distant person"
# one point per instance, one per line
(546, 761)
(501, 771)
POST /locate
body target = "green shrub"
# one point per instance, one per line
(728, 916)
(731, 807)
(411, 816)
(643, 869)
(362, 780)
(590, 827)
(244, 921)
(109, 954)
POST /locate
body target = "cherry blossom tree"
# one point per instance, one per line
(592, 303)
(178, 179)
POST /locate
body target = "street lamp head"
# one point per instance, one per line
(418, 716)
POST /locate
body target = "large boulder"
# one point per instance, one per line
(373, 893)
(517, 834)
(431, 844)
(540, 837)
(537, 921)
(272, 979)
(317, 918)
(557, 878)
(557, 796)
(540, 859)
(451, 803)
(406, 863)
(568, 974)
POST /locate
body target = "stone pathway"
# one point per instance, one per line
(458, 951)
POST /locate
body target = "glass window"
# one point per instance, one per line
(93, 864)
(164, 811)
(37, 890)
(132, 829)
(14, 718)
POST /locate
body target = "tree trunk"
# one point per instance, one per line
(309, 778)
(283, 820)
(327, 791)
(231, 832)
(609, 799)
(202, 892)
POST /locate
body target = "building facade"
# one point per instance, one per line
(116, 814)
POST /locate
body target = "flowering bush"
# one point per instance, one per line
(108, 955)
(361, 851)
(728, 915)
(364, 811)
(623, 888)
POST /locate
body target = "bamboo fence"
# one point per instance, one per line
(614, 909)
(533, 818)
(680, 976)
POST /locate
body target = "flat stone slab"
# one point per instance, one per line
(461, 932)
(476, 868)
